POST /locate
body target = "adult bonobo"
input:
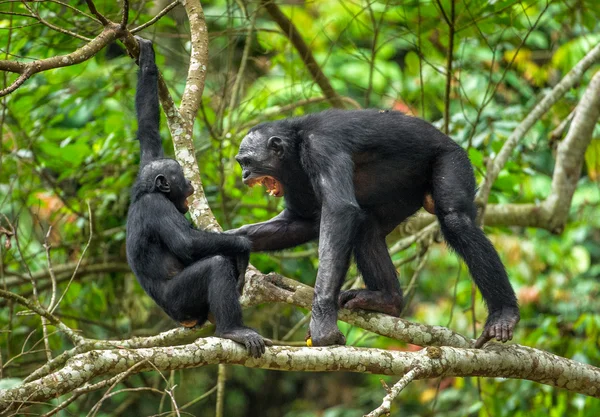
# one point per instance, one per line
(350, 177)
(188, 272)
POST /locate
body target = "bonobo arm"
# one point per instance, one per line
(146, 104)
(190, 244)
(283, 231)
(340, 219)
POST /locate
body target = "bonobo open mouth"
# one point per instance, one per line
(274, 187)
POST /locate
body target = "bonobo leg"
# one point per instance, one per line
(453, 193)
(379, 274)
(225, 306)
(210, 285)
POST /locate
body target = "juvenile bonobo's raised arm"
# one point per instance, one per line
(146, 105)
(188, 272)
(357, 175)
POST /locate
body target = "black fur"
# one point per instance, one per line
(349, 178)
(188, 272)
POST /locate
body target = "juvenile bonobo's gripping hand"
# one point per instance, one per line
(145, 46)
(500, 325)
(255, 344)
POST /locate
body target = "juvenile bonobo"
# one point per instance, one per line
(188, 272)
(349, 178)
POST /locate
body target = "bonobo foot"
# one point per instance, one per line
(254, 343)
(372, 301)
(322, 334)
(499, 324)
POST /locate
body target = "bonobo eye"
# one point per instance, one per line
(276, 144)
(243, 161)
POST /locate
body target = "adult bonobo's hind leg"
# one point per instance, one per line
(453, 194)
(383, 293)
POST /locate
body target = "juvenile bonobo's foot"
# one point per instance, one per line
(322, 334)
(500, 324)
(254, 343)
(372, 301)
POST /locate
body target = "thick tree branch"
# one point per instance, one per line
(292, 33)
(573, 77)
(494, 361)
(108, 35)
(570, 155)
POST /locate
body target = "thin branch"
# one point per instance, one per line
(385, 407)
(221, 379)
(572, 78)
(101, 18)
(76, 338)
(156, 18)
(87, 245)
(292, 33)
(108, 35)
(37, 16)
(450, 59)
(125, 15)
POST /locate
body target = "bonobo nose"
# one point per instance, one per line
(245, 174)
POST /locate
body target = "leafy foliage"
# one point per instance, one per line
(68, 142)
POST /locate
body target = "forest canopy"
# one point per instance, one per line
(513, 82)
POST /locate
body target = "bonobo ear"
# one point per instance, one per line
(162, 184)
(276, 144)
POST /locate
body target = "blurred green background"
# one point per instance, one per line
(68, 140)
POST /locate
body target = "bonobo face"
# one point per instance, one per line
(167, 176)
(261, 157)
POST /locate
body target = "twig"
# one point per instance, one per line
(292, 33)
(125, 15)
(450, 21)
(557, 133)
(115, 380)
(42, 312)
(221, 379)
(37, 16)
(235, 91)
(101, 18)
(573, 77)
(87, 245)
(393, 392)
(156, 18)
(26, 70)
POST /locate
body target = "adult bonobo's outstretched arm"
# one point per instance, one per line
(357, 175)
(283, 231)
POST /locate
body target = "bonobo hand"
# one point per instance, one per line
(500, 324)
(142, 41)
